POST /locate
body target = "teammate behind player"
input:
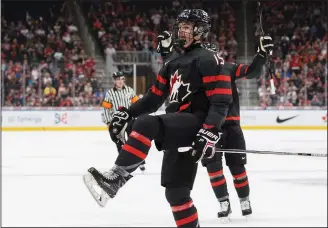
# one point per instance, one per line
(195, 114)
(233, 137)
(120, 95)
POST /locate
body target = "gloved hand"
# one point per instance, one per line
(205, 143)
(266, 46)
(165, 44)
(118, 142)
(119, 124)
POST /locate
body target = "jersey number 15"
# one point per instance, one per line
(219, 59)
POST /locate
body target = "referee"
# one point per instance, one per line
(119, 95)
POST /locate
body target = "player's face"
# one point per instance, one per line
(186, 32)
(119, 82)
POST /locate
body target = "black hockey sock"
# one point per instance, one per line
(218, 181)
(135, 150)
(185, 214)
(240, 181)
(183, 209)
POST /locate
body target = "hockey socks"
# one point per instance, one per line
(218, 181)
(185, 215)
(183, 208)
(135, 150)
(240, 181)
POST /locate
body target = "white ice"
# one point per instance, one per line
(42, 183)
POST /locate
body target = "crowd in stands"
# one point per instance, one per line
(43, 61)
(127, 26)
(44, 64)
(299, 61)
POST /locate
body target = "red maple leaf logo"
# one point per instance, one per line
(324, 118)
(174, 78)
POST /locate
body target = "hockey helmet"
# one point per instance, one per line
(118, 74)
(201, 22)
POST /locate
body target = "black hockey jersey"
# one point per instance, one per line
(195, 82)
(239, 71)
(235, 71)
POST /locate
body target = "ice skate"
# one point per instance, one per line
(225, 211)
(246, 208)
(109, 183)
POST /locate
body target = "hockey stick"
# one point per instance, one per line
(269, 152)
(273, 89)
(237, 151)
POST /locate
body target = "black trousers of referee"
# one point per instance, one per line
(169, 132)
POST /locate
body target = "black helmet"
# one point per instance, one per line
(118, 74)
(200, 19)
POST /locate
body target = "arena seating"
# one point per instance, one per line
(128, 26)
(299, 61)
(43, 61)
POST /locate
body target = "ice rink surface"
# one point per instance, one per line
(42, 183)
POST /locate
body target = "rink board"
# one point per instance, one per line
(90, 119)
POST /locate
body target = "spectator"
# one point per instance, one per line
(49, 90)
(43, 59)
(300, 58)
(124, 26)
(66, 102)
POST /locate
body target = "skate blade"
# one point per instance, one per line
(90, 183)
(225, 220)
(248, 217)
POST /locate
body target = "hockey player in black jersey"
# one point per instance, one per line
(196, 112)
(232, 137)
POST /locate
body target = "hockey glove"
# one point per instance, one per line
(117, 139)
(165, 44)
(119, 124)
(205, 143)
(266, 46)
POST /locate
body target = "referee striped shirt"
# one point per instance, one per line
(115, 98)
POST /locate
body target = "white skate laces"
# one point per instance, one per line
(110, 175)
(246, 208)
(245, 205)
(225, 211)
(224, 206)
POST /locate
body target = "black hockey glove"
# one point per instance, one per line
(205, 143)
(165, 44)
(266, 46)
(119, 124)
(119, 141)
